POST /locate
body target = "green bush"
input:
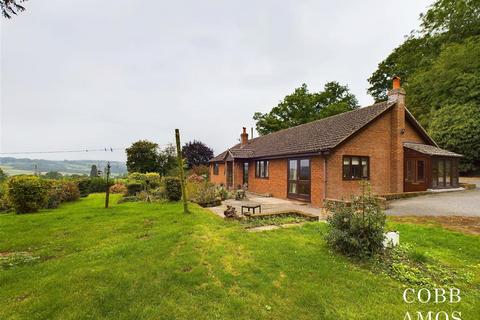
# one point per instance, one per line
(84, 187)
(54, 194)
(357, 228)
(60, 191)
(151, 180)
(134, 187)
(173, 188)
(457, 128)
(70, 191)
(205, 195)
(4, 204)
(97, 185)
(26, 193)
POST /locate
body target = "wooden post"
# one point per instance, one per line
(182, 175)
(107, 192)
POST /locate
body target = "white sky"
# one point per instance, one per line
(95, 74)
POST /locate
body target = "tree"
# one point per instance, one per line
(143, 156)
(453, 78)
(3, 175)
(11, 7)
(53, 175)
(457, 128)
(196, 153)
(446, 22)
(93, 171)
(167, 160)
(302, 106)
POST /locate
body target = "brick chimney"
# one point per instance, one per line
(244, 137)
(397, 94)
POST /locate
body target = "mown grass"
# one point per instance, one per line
(150, 261)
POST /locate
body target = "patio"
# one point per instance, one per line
(269, 205)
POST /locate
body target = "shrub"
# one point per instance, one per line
(54, 194)
(70, 191)
(134, 187)
(97, 185)
(60, 191)
(223, 193)
(153, 180)
(206, 195)
(4, 204)
(356, 228)
(195, 178)
(118, 188)
(26, 193)
(173, 188)
(84, 187)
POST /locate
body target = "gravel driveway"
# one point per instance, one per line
(459, 203)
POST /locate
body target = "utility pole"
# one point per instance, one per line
(107, 191)
(182, 175)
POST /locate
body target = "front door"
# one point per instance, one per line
(415, 174)
(299, 179)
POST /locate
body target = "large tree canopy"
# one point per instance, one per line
(445, 22)
(196, 153)
(453, 78)
(142, 156)
(145, 156)
(303, 106)
(457, 128)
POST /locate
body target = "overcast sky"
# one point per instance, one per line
(95, 74)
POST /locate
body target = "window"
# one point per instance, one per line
(215, 169)
(420, 170)
(261, 169)
(356, 167)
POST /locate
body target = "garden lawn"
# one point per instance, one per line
(150, 261)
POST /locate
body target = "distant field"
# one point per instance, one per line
(14, 166)
(11, 171)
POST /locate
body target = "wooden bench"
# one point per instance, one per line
(252, 206)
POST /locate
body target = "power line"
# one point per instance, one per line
(71, 151)
(64, 151)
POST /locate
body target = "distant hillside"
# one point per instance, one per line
(14, 166)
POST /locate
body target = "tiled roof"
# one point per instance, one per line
(311, 137)
(430, 150)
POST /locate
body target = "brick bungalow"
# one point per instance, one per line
(382, 143)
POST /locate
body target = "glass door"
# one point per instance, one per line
(299, 178)
(245, 173)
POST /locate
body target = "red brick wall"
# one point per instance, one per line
(221, 177)
(317, 181)
(374, 141)
(411, 134)
(275, 184)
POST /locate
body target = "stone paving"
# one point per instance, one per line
(270, 205)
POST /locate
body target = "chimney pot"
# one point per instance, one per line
(244, 137)
(396, 82)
